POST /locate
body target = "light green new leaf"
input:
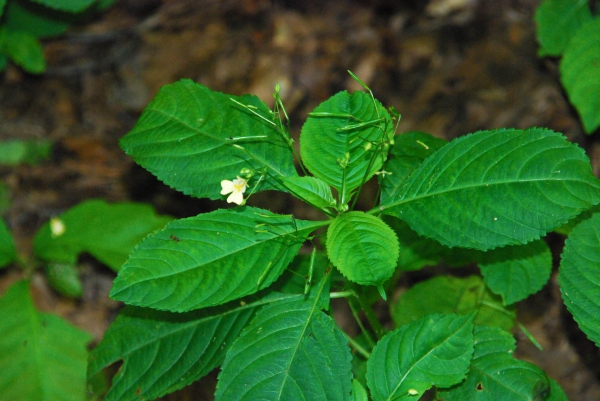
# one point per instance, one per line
(311, 190)
(42, 357)
(188, 137)
(445, 294)
(496, 188)
(8, 252)
(433, 351)
(30, 152)
(71, 6)
(362, 247)
(290, 351)
(580, 73)
(163, 351)
(579, 276)
(516, 272)
(358, 391)
(210, 259)
(557, 21)
(339, 145)
(24, 49)
(494, 373)
(109, 232)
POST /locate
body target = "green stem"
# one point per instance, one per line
(370, 314)
(530, 336)
(359, 348)
(352, 302)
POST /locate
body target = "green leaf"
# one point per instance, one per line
(362, 247)
(435, 350)
(335, 145)
(71, 6)
(311, 190)
(8, 252)
(163, 351)
(556, 392)
(557, 21)
(210, 259)
(580, 74)
(445, 294)
(516, 272)
(408, 152)
(42, 357)
(35, 20)
(2, 4)
(183, 138)
(358, 391)
(290, 351)
(64, 278)
(494, 373)
(579, 276)
(496, 188)
(24, 49)
(107, 231)
(30, 152)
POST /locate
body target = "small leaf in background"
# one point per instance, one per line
(71, 6)
(8, 252)
(496, 188)
(30, 152)
(2, 4)
(336, 154)
(291, 350)
(516, 272)
(109, 232)
(579, 276)
(433, 351)
(38, 21)
(446, 294)
(4, 198)
(64, 278)
(24, 49)
(362, 247)
(580, 73)
(210, 259)
(310, 189)
(185, 137)
(42, 357)
(557, 21)
(496, 375)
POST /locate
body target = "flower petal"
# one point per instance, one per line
(235, 197)
(227, 187)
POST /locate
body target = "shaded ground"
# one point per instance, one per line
(448, 71)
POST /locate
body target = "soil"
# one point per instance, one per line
(450, 67)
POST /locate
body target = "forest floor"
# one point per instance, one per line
(449, 67)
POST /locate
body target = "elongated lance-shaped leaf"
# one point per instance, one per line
(339, 141)
(494, 373)
(291, 350)
(190, 138)
(557, 21)
(579, 276)
(496, 188)
(164, 351)
(435, 350)
(210, 259)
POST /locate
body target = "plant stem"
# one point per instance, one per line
(359, 348)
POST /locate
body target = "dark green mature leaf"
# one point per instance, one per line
(24, 49)
(557, 21)
(107, 231)
(435, 350)
(188, 137)
(71, 6)
(290, 351)
(579, 276)
(516, 272)
(580, 73)
(494, 373)
(445, 294)
(35, 20)
(42, 357)
(312, 190)
(8, 252)
(362, 247)
(496, 188)
(337, 148)
(210, 259)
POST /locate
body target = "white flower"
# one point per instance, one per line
(235, 188)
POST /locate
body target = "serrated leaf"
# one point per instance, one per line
(408, 152)
(340, 155)
(183, 138)
(580, 73)
(37, 21)
(579, 276)
(494, 373)
(311, 190)
(516, 272)
(71, 6)
(435, 350)
(8, 252)
(64, 278)
(557, 21)
(24, 49)
(290, 351)
(210, 259)
(362, 247)
(108, 232)
(42, 357)
(446, 294)
(163, 351)
(496, 188)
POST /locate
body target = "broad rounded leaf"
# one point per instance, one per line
(8, 252)
(433, 351)
(189, 138)
(557, 21)
(362, 247)
(580, 73)
(210, 259)
(579, 276)
(311, 190)
(496, 188)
